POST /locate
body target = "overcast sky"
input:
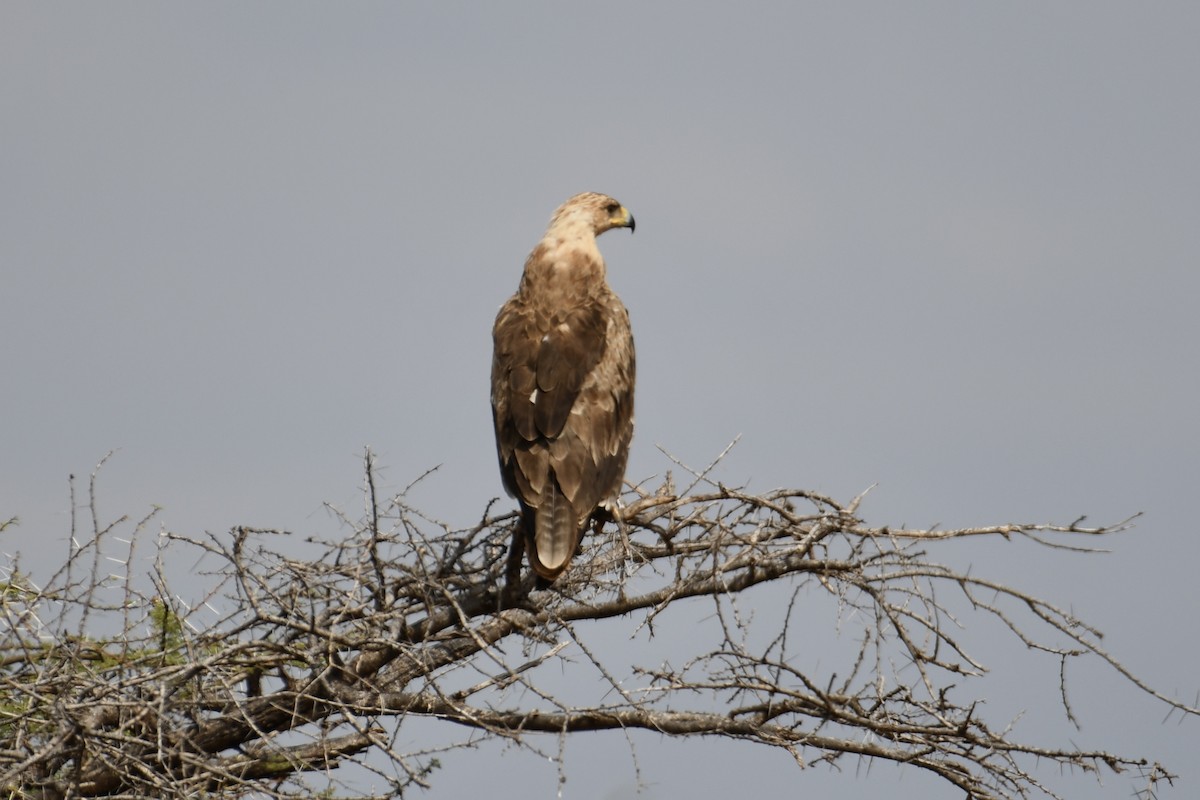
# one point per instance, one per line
(946, 248)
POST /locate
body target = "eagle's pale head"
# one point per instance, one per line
(591, 211)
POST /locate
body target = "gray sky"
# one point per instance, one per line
(947, 248)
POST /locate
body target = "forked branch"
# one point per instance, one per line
(286, 667)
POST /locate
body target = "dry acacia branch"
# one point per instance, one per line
(285, 668)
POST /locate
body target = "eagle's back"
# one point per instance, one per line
(563, 374)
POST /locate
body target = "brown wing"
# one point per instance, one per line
(588, 457)
(562, 404)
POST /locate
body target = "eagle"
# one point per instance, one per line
(562, 384)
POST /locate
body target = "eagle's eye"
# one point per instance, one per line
(612, 208)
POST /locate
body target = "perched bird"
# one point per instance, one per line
(562, 384)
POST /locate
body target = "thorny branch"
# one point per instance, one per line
(112, 685)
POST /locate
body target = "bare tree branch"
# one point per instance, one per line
(285, 668)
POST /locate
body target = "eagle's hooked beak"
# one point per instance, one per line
(624, 219)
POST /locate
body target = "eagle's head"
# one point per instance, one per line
(592, 210)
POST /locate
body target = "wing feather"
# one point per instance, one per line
(565, 355)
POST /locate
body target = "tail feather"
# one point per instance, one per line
(555, 534)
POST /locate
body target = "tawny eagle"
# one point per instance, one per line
(562, 384)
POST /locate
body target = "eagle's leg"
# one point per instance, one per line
(512, 570)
